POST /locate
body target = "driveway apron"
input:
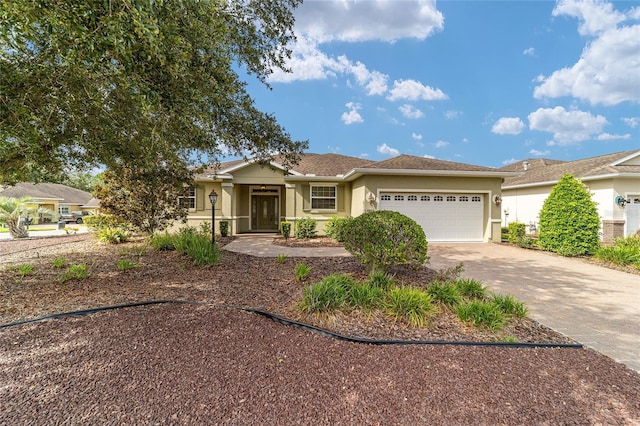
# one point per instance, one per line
(593, 305)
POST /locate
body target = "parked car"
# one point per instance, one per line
(74, 217)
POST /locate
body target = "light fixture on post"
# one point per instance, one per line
(213, 197)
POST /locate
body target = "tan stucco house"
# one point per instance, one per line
(613, 180)
(451, 201)
(57, 198)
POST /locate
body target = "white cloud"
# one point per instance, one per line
(529, 52)
(429, 156)
(411, 112)
(537, 153)
(631, 121)
(416, 136)
(465, 140)
(441, 144)
(452, 114)
(509, 161)
(508, 126)
(414, 90)
(610, 137)
(352, 116)
(353, 21)
(386, 149)
(608, 71)
(567, 126)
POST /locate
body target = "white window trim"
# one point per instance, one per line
(193, 197)
(335, 197)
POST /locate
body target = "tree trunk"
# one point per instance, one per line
(16, 228)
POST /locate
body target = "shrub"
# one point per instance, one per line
(366, 296)
(410, 304)
(569, 221)
(224, 228)
(97, 222)
(162, 241)
(451, 273)
(205, 227)
(302, 271)
(444, 292)
(199, 248)
(382, 239)
(618, 255)
(526, 241)
(336, 226)
(470, 288)
(381, 280)
(285, 229)
(509, 305)
(516, 230)
(306, 227)
(479, 313)
(328, 295)
(113, 235)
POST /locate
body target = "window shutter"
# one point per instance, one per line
(199, 198)
(340, 198)
(306, 197)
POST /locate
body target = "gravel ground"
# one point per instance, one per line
(203, 364)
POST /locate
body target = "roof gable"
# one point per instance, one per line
(52, 191)
(410, 162)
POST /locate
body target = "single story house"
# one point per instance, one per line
(613, 180)
(58, 198)
(451, 201)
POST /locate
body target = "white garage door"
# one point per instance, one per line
(444, 217)
(632, 211)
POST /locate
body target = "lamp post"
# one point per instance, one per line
(213, 197)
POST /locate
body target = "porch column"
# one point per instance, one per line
(290, 202)
(227, 206)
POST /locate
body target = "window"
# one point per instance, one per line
(463, 198)
(438, 198)
(475, 199)
(398, 198)
(189, 201)
(451, 198)
(63, 209)
(412, 198)
(385, 198)
(425, 198)
(324, 197)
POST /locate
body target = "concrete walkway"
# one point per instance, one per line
(595, 306)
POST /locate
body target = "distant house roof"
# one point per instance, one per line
(48, 191)
(543, 171)
(342, 166)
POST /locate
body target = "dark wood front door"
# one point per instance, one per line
(264, 213)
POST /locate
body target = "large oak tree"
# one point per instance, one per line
(116, 82)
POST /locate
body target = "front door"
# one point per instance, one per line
(264, 213)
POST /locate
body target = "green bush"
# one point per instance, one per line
(444, 292)
(163, 241)
(306, 227)
(471, 289)
(569, 221)
(190, 241)
(382, 239)
(526, 241)
(509, 305)
(336, 226)
(410, 304)
(98, 222)
(113, 235)
(480, 313)
(381, 280)
(619, 254)
(516, 230)
(365, 296)
(330, 294)
(285, 229)
(224, 228)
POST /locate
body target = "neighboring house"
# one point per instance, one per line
(58, 198)
(451, 201)
(613, 179)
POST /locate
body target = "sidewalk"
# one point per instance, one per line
(54, 232)
(260, 245)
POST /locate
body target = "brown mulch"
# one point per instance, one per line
(186, 364)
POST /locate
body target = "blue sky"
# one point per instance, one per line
(478, 82)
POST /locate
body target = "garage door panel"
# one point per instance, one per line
(444, 217)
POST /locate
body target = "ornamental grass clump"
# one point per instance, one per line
(445, 293)
(365, 296)
(409, 304)
(381, 280)
(331, 294)
(481, 314)
(625, 251)
(509, 305)
(470, 288)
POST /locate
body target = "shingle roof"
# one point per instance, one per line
(65, 194)
(538, 172)
(329, 164)
(410, 162)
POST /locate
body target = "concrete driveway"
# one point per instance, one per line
(596, 306)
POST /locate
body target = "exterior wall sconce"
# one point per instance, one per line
(497, 199)
(621, 201)
(371, 198)
(263, 187)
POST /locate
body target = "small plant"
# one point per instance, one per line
(509, 339)
(470, 288)
(444, 292)
(281, 258)
(77, 271)
(200, 249)
(526, 241)
(365, 296)
(451, 273)
(126, 264)
(509, 305)
(24, 269)
(302, 271)
(481, 314)
(113, 235)
(285, 229)
(59, 262)
(410, 304)
(205, 227)
(328, 295)
(381, 280)
(224, 228)
(306, 228)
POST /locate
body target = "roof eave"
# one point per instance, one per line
(445, 173)
(584, 178)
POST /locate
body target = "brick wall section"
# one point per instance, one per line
(611, 230)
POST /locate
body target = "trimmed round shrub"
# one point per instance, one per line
(335, 227)
(382, 239)
(569, 221)
(516, 231)
(306, 228)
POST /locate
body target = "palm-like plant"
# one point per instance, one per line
(12, 209)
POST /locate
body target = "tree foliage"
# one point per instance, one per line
(109, 82)
(382, 239)
(569, 221)
(146, 196)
